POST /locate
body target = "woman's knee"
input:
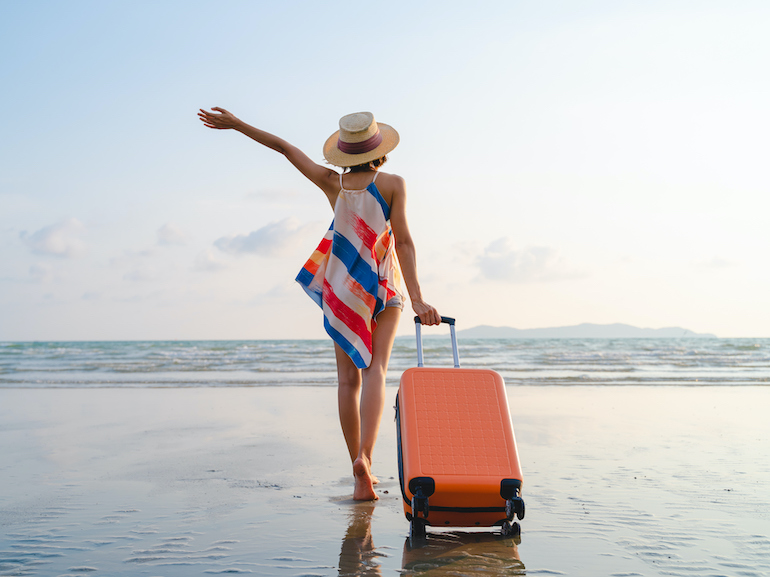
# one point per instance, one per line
(349, 379)
(348, 374)
(375, 372)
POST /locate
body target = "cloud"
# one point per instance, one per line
(60, 239)
(276, 239)
(41, 273)
(716, 262)
(207, 261)
(502, 262)
(280, 290)
(140, 275)
(170, 234)
(138, 298)
(275, 196)
(130, 258)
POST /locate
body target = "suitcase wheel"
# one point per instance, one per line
(520, 508)
(420, 505)
(514, 507)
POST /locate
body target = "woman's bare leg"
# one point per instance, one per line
(348, 402)
(348, 391)
(372, 401)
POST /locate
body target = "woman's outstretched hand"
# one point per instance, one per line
(428, 314)
(221, 121)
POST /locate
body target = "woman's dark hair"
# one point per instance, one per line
(372, 165)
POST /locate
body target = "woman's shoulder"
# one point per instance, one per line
(391, 187)
(391, 181)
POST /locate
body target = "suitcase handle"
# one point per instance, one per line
(418, 329)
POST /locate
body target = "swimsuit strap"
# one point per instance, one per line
(375, 176)
(341, 187)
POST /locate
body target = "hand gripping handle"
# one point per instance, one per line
(418, 329)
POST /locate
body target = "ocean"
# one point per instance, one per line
(558, 362)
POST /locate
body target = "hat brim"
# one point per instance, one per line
(336, 157)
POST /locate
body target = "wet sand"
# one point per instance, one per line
(619, 481)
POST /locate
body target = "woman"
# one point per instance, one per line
(354, 274)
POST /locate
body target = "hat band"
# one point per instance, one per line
(360, 147)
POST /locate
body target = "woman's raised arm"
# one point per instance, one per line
(324, 178)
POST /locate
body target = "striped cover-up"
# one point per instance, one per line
(354, 271)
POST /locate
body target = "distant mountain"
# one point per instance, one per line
(582, 331)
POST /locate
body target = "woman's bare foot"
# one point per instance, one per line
(364, 489)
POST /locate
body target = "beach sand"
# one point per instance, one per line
(618, 481)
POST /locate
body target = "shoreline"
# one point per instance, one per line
(643, 480)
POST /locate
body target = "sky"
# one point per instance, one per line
(597, 161)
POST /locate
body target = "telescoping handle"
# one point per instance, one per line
(418, 328)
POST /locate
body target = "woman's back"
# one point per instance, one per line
(385, 183)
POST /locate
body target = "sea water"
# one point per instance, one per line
(686, 361)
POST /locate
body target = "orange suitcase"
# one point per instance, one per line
(457, 459)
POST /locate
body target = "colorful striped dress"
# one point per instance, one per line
(354, 271)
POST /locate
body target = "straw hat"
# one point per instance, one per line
(359, 140)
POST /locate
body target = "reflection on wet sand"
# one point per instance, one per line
(453, 553)
(461, 553)
(358, 555)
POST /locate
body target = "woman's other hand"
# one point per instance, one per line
(221, 121)
(428, 314)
